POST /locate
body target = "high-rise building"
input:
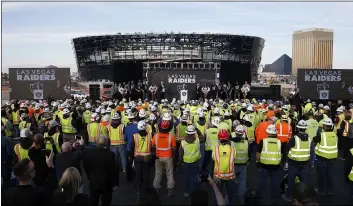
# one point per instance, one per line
(312, 49)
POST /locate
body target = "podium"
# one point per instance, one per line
(183, 95)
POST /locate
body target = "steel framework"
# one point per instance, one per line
(98, 52)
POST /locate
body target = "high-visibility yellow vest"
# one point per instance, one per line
(350, 176)
(142, 145)
(104, 130)
(177, 113)
(24, 124)
(55, 137)
(37, 117)
(202, 129)
(67, 126)
(313, 127)
(327, 147)
(182, 130)
(191, 151)
(55, 114)
(301, 151)
(242, 114)
(60, 114)
(149, 129)
(271, 151)
(16, 117)
(223, 156)
(8, 132)
(250, 131)
(211, 138)
(21, 152)
(93, 130)
(241, 149)
(87, 117)
(116, 135)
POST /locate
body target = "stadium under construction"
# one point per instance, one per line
(125, 57)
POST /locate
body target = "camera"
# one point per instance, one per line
(204, 175)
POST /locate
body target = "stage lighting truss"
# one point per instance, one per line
(181, 65)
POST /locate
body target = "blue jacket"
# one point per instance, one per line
(130, 130)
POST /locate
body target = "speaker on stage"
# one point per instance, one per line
(94, 91)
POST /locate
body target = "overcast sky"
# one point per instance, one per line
(39, 34)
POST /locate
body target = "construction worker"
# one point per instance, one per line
(269, 155)
(260, 132)
(345, 132)
(117, 141)
(190, 154)
(211, 141)
(141, 154)
(53, 138)
(68, 125)
(93, 129)
(313, 128)
(223, 155)
(349, 171)
(165, 145)
(16, 119)
(104, 125)
(284, 130)
(86, 116)
(7, 124)
(241, 160)
(252, 117)
(298, 149)
(326, 151)
(26, 123)
(21, 149)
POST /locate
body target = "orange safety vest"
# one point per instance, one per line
(148, 142)
(284, 131)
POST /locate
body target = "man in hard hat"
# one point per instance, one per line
(68, 125)
(326, 151)
(7, 124)
(298, 149)
(284, 130)
(224, 155)
(93, 129)
(190, 154)
(53, 137)
(345, 133)
(241, 145)
(129, 132)
(141, 154)
(211, 141)
(26, 123)
(269, 155)
(21, 149)
(312, 129)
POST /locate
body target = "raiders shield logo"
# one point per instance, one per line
(183, 93)
(37, 94)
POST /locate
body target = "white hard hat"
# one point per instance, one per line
(108, 110)
(53, 123)
(98, 110)
(167, 116)
(321, 105)
(302, 124)
(308, 100)
(250, 108)
(142, 113)
(141, 125)
(284, 117)
(216, 110)
(271, 106)
(339, 109)
(327, 108)
(226, 113)
(201, 114)
(205, 104)
(239, 129)
(66, 111)
(102, 111)
(236, 123)
(215, 121)
(88, 106)
(37, 107)
(190, 129)
(95, 117)
(116, 116)
(26, 132)
(327, 122)
(23, 105)
(130, 115)
(243, 105)
(153, 108)
(152, 117)
(246, 118)
(46, 110)
(271, 129)
(106, 118)
(184, 117)
(187, 109)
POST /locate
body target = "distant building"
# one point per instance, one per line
(312, 49)
(282, 66)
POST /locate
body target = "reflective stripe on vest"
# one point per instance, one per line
(211, 138)
(284, 137)
(55, 137)
(191, 151)
(250, 131)
(142, 145)
(301, 151)
(20, 152)
(164, 148)
(350, 176)
(224, 161)
(327, 147)
(271, 151)
(116, 135)
(346, 129)
(67, 126)
(93, 130)
(241, 149)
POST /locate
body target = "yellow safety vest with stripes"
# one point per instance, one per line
(301, 151)
(271, 151)
(224, 156)
(67, 126)
(327, 147)
(211, 138)
(55, 137)
(87, 117)
(116, 135)
(241, 149)
(191, 151)
(20, 152)
(93, 130)
(142, 145)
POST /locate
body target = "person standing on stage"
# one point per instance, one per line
(245, 89)
(162, 90)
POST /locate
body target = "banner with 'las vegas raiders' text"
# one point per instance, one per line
(325, 84)
(39, 83)
(177, 80)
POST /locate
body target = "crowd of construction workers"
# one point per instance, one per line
(210, 137)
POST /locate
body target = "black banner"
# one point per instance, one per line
(176, 80)
(334, 84)
(39, 83)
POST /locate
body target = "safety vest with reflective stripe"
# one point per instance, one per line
(250, 131)
(313, 127)
(24, 124)
(93, 130)
(16, 117)
(20, 152)
(271, 151)
(116, 135)
(350, 176)
(67, 126)
(283, 131)
(346, 128)
(87, 117)
(223, 156)
(241, 149)
(327, 147)
(8, 132)
(55, 137)
(191, 151)
(211, 138)
(142, 145)
(301, 151)
(201, 128)
(164, 148)
(149, 129)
